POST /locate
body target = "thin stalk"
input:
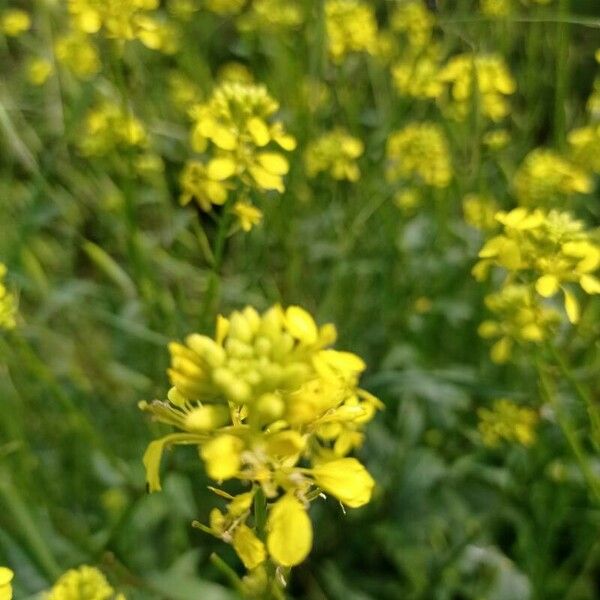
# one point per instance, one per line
(563, 30)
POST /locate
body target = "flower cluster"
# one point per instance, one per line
(271, 15)
(545, 179)
(6, 577)
(76, 52)
(419, 151)
(8, 304)
(235, 131)
(416, 75)
(413, 20)
(584, 143)
(123, 20)
(519, 317)
(506, 421)
(494, 84)
(545, 249)
(351, 27)
(14, 22)
(335, 153)
(269, 403)
(109, 127)
(84, 583)
(479, 211)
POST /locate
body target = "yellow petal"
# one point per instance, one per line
(571, 306)
(501, 350)
(6, 575)
(590, 284)
(346, 479)
(301, 325)
(248, 547)
(259, 131)
(289, 537)
(266, 180)
(222, 456)
(221, 168)
(547, 285)
(223, 138)
(274, 163)
(285, 443)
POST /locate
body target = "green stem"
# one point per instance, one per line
(228, 572)
(569, 433)
(562, 73)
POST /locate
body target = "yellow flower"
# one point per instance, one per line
(413, 19)
(268, 402)
(8, 304)
(235, 72)
(480, 211)
(108, 128)
(234, 127)
(39, 70)
(496, 8)
(290, 533)
(335, 153)
(519, 317)
(494, 84)
(197, 185)
(416, 76)
(14, 22)
(545, 178)
(75, 52)
(6, 577)
(496, 139)
(271, 15)
(419, 151)
(248, 215)
(585, 147)
(351, 27)
(346, 479)
(84, 583)
(507, 421)
(548, 250)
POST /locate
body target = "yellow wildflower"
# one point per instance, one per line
(109, 127)
(235, 72)
(496, 8)
(545, 178)
(6, 577)
(183, 9)
(408, 199)
(14, 22)
(584, 143)
(494, 82)
(351, 27)
(197, 185)
(549, 249)
(506, 421)
(234, 127)
(39, 70)
(84, 583)
(268, 402)
(75, 52)
(480, 211)
(420, 151)
(248, 215)
(271, 14)
(8, 304)
(334, 152)
(415, 21)
(496, 139)
(416, 76)
(519, 317)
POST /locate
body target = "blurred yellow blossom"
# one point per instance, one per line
(268, 402)
(248, 215)
(184, 92)
(351, 27)
(412, 19)
(39, 70)
(224, 7)
(6, 577)
(519, 317)
(76, 52)
(548, 250)
(496, 139)
(496, 8)
(480, 211)
(235, 72)
(84, 583)
(14, 22)
(197, 185)
(494, 84)
(545, 178)
(584, 144)
(335, 153)
(109, 127)
(420, 151)
(8, 303)
(508, 422)
(416, 75)
(271, 14)
(408, 199)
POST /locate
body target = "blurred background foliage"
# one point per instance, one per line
(108, 268)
